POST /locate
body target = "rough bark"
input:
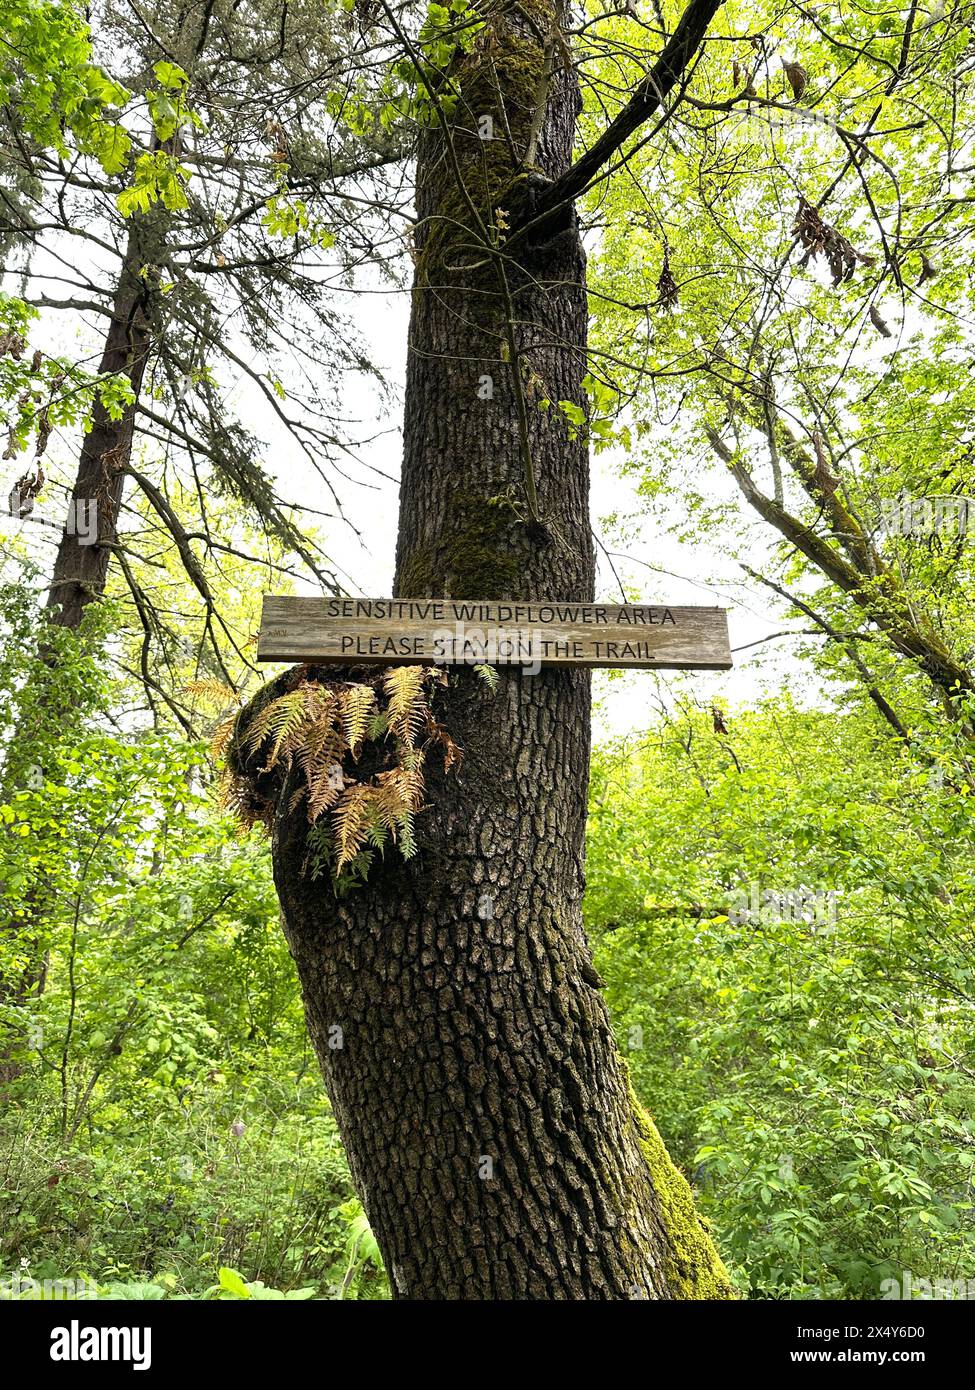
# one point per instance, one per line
(79, 577)
(488, 1119)
(81, 570)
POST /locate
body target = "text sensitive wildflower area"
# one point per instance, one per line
(450, 632)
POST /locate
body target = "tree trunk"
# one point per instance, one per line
(81, 568)
(488, 1119)
(80, 573)
(79, 577)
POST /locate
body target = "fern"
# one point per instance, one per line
(218, 696)
(221, 736)
(378, 725)
(487, 674)
(212, 692)
(358, 702)
(350, 817)
(439, 734)
(407, 702)
(407, 840)
(233, 798)
(377, 834)
(320, 729)
(275, 722)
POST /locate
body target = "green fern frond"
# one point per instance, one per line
(377, 834)
(378, 725)
(406, 839)
(487, 674)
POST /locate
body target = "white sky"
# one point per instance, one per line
(698, 573)
(679, 573)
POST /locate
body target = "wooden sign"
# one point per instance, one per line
(451, 632)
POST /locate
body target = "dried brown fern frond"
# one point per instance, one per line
(437, 733)
(399, 792)
(211, 691)
(221, 736)
(218, 696)
(323, 797)
(350, 819)
(358, 706)
(321, 729)
(278, 723)
(319, 758)
(235, 795)
(325, 778)
(407, 702)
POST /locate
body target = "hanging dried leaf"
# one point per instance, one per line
(798, 78)
(44, 427)
(12, 344)
(20, 501)
(928, 271)
(879, 323)
(818, 238)
(666, 285)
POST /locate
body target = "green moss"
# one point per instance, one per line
(694, 1269)
(452, 244)
(477, 556)
(417, 573)
(499, 78)
(472, 558)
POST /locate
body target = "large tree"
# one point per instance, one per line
(489, 1122)
(174, 191)
(804, 219)
(194, 246)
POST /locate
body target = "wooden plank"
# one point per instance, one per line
(455, 633)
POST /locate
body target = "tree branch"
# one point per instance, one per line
(645, 100)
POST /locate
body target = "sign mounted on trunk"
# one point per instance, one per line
(454, 632)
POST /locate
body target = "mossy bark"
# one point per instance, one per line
(490, 1126)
